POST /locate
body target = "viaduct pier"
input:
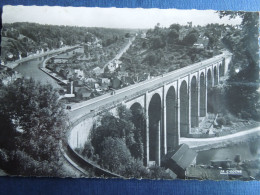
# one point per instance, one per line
(172, 104)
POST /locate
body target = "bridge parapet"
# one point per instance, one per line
(186, 112)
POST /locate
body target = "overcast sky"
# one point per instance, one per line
(110, 17)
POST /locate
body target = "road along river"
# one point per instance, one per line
(30, 69)
(248, 150)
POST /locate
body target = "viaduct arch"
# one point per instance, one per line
(184, 109)
(155, 113)
(175, 108)
(172, 107)
(171, 119)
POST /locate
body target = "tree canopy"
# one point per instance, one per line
(241, 92)
(32, 122)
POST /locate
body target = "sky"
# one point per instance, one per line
(111, 17)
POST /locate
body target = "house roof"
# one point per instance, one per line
(90, 80)
(83, 91)
(183, 156)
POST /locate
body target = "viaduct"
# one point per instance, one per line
(173, 103)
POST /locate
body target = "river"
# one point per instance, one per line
(30, 69)
(247, 150)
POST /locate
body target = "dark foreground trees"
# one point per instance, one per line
(117, 144)
(241, 90)
(32, 122)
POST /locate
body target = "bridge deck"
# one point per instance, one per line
(81, 109)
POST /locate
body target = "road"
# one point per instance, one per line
(200, 142)
(35, 56)
(121, 52)
(83, 108)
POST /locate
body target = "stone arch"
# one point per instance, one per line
(202, 95)
(155, 113)
(209, 92)
(184, 109)
(194, 103)
(136, 110)
(171, 120)
(215, 76)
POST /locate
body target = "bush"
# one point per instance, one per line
(225, 120)
(88, 152)
(157, 172)
(221, 121)
(135, 169)
(229, 119)
(21, 163)
(115, 155)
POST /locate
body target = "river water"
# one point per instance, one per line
(247, 150)
(30, 69)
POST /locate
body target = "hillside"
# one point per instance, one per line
(23, 39)
(161, 50)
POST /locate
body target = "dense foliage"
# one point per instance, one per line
(32, 122)
(161, 50)
(117, 145)
(20, 38)
(119, 127)
(241, 90)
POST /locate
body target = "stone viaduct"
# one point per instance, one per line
(175, 104)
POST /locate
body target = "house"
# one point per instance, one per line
(96, 85)
(104, 80)
(180, 159)
(10, 55)
(92, 83)
(7, 75)
(111, 67)
(198, 45)
(102, 88)
(90, 80)
(82, 92)
(98, 71)
(80, 73)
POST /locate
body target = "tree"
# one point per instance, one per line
(213, 32)
(115, 155)
(127, 35)
(173, 36)
(125, 127)
(190, 38)
(33, 122)
(176, 27)
(157, 42)
(242, 97)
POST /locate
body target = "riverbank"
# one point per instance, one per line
(200, 144)
(14, 64)
(50, 73)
